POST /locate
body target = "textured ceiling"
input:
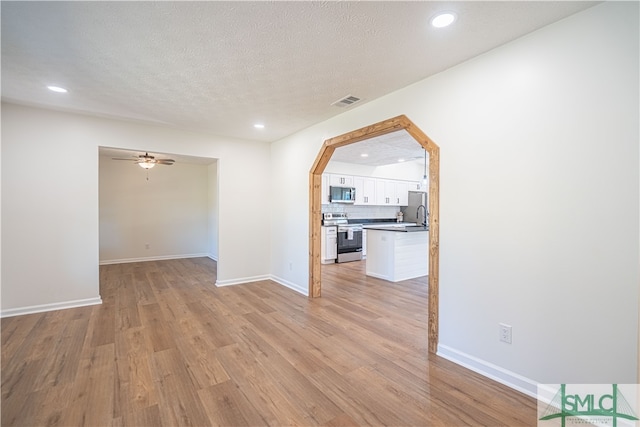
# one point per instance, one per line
(220, 67)
(393, 147)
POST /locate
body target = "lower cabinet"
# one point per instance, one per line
(329, 245)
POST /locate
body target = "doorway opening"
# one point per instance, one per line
(315, 207)
(169, 211)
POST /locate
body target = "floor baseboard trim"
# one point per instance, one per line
(278, 280)
(293, 286)
(213, 257)
(153, 258)
(241, 281)
(50, 307)
(489, 370)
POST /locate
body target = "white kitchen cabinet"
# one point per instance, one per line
(340, 180)
(329, 244)
(390, 192)
(416, 186)
(402, 193)
(396, 255)
(365, 190)
(383, 192)
(325, 190)
(371, 191)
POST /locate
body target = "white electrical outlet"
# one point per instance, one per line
(505, 333)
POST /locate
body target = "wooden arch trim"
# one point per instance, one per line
(315, 207)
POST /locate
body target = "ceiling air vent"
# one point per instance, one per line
(346, 101)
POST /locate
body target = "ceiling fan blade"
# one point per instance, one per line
(120, 158)
(165, 162)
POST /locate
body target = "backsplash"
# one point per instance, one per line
(362, 212)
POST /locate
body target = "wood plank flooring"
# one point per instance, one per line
(168, 348)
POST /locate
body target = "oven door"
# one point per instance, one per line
(349, 244)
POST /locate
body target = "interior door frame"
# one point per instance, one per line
(315, 208)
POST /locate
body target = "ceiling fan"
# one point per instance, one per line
(146, 161)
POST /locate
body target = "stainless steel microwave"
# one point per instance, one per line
(342, 194)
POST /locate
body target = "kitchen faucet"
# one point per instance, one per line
(424, 220)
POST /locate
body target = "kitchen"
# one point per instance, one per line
(375, 209)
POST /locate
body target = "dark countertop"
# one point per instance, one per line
(374, 221)
(405, 229)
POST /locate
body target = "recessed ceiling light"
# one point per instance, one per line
(258, 126)
(57, 89)
(443, 20)
(364, 155)
(401, 160)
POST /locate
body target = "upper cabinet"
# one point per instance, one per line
(371, 191)
(340, 180)
(385, 191)
(402, 193)
(417, 186)
(390, 192)
(365, 190)
(325, 189)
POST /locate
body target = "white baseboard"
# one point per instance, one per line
(489, 370)
(153, 258)
(50, 307)
(293, 286)
(242, 280)
(278, 280)
(213, 257)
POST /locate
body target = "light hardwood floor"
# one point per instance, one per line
(168, 348)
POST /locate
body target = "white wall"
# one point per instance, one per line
(213, 207)
(49, 212)
(539, 199)
(50, 201)
(169, 211)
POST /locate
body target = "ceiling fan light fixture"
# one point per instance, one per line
(146, 165)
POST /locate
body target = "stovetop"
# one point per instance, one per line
(329, 218)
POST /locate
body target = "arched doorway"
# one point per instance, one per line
(315, 207)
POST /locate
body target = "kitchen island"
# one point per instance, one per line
(396, 253)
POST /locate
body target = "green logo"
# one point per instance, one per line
(598, 408)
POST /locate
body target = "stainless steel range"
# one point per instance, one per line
(349, 239)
